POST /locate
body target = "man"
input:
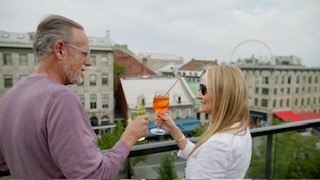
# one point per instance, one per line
(44, 129)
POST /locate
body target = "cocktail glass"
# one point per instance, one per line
(160, 105)
(138, 111)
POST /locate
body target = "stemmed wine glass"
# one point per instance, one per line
(160, 105)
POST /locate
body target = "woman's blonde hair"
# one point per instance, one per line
(227, 89)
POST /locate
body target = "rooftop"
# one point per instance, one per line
(197, 65)
(134, 88)
(159, 56)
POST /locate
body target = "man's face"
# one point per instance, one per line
(78, 59)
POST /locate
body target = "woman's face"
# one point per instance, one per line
(203, 96)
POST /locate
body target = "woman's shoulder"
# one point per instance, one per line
(227, 139)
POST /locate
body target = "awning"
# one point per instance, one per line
(290, 116)
(185, 125)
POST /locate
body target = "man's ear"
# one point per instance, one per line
(59, 49)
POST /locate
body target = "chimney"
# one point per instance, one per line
(145, 62)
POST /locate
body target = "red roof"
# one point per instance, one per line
(294, 117)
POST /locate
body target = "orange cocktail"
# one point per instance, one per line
(160, 103)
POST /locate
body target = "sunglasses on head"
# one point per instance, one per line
(203, 89)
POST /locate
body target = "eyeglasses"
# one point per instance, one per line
(203, 89)
(85, 53)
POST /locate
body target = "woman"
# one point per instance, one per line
(224, 149)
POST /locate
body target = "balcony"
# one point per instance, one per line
(270, 145)
(276, 150)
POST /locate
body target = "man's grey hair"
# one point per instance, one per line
(50, 30)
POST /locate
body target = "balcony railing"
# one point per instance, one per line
(268, 132)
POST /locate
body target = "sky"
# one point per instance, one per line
(201, 29)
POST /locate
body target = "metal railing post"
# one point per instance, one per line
(127, 168)
(268, 157)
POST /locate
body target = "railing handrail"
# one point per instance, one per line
(171, 145)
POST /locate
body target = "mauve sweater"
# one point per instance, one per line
(45, 133)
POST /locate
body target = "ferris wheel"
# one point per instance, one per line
(251, 41)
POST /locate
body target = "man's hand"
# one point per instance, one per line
(135, 130)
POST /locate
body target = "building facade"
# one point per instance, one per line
(282, 85)
(17, 60)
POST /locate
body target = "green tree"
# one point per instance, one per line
(294, 156)
(167, 168)
(198, 130)
(117, 71)
(109, 139)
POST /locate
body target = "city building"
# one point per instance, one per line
(158, 62)
(132, 66)
(194, 69)
(17, 60)
(282, 84)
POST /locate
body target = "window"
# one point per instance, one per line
(274, 103)
(282, 80)
(288, 102)
(276, 80)
(302, 101)
(7, 59)
(93, 79)
(275, 91)
(8, 82)
(265, 80)
(298, 79)
(309, 89)
(257, 79)
(289, 80)
(281, 102)
(188, 113)
(257, 90)
(81, 97)
(105, 99)
(288, 91)
(93, 60)
(264, 102)
(23, 60)
(93, 101)
(178, 113)
(104, 79)
(265, 91)
(310, 79)
(256, 101)
(296, 102)
(281, 91)
(297, 90)
(104, 61)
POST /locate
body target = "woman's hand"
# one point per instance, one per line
(164, 121)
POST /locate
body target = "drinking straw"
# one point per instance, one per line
(172, 85)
